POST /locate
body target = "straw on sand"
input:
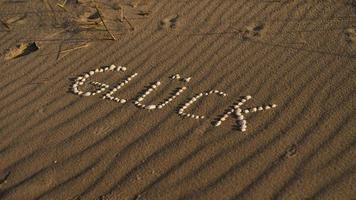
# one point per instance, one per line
(102, 20)
(5, 24)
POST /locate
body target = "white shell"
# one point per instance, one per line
(86, 94)
(218, 123)
(112, 67)
(151, 107)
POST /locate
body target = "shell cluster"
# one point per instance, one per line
(80, 80)
(179, 78)
(236, 108)
(153, 87)
(259, 108)
(117, 87)
(194, 99)
(241, 121)
(102, 87)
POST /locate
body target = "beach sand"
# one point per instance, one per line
(299, 55)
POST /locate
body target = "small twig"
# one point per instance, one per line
(75, 48)
(63, 4)
(132, 28)
(101, 18)
(70, 50)
(121, 14)
(65, 9)
(5, 24)
(3, 180)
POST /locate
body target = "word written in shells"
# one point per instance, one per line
(235, 110)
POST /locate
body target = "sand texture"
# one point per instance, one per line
(294, 139)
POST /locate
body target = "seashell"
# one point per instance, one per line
(151, 107)
(240, 117)
(86, 94)
(112, 67)
(218, 123)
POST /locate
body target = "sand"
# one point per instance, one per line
(299, 55)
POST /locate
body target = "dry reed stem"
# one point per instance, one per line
(75, 48)
(63, 4)
(122, 14)
(131, 26)
(101, 18)
(5, 24)
(67, 51)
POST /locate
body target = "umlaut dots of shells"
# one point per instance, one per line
(235, 111)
